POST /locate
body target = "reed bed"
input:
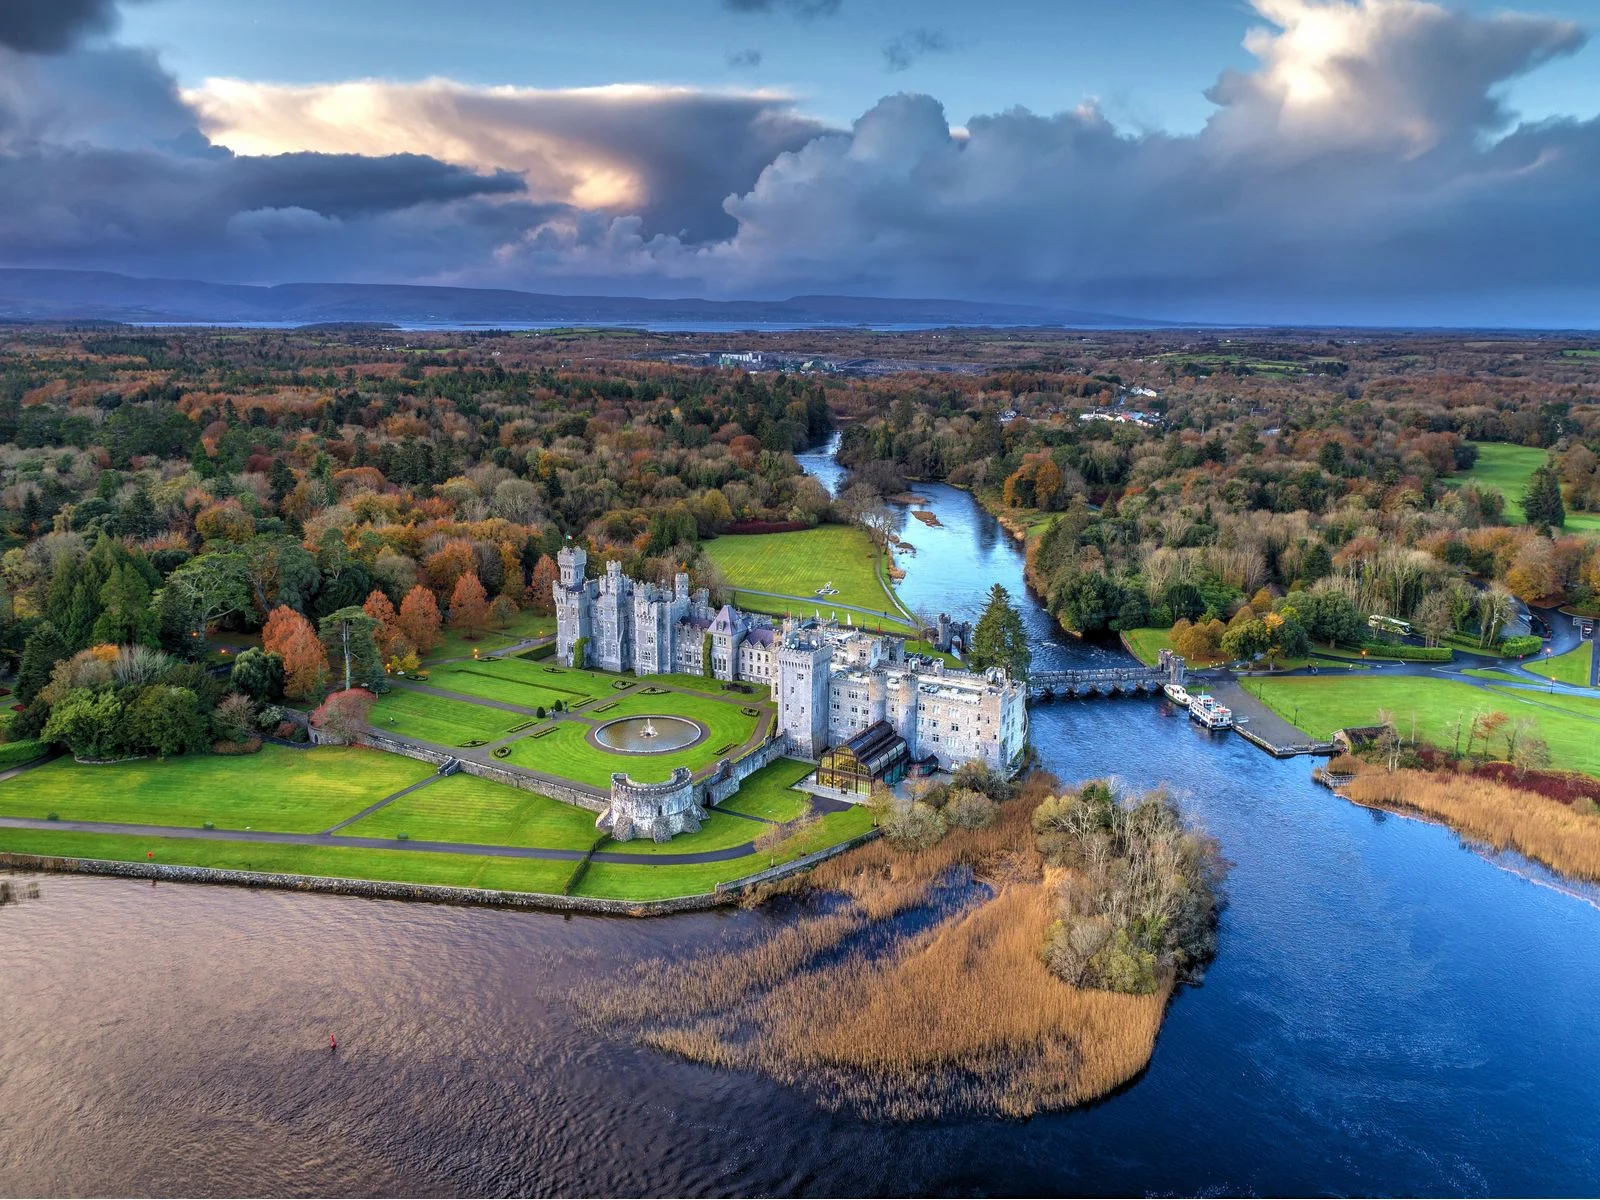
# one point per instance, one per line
(920, 992)
(1545, 830)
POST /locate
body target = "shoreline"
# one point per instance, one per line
(430, 893)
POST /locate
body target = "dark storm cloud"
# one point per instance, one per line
(51, 26)
(900, 52)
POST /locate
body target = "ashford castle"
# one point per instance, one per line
(834, 685)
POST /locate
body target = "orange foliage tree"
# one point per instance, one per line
(469, 606)
(541, 591)
(293, 638)
(387, 635)
(420, 620)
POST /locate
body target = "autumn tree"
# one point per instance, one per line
(541, 591)
(343, 715)
(469, 606)
(386, 630)
(420, 619)
(305, 663)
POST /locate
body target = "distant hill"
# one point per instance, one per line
(49, 295)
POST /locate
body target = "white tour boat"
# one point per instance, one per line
(1177, 693)
(1209, 713)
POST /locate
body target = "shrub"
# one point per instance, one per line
(343, 715)
(914, 827)
(249, 745)
(539, 712)
(970, 810)
(1516, 647)
(1409, 653)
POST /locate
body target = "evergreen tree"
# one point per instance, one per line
(348, 637)
(1541, 500)
(126, 616)
(44, 648)
(1000, 639)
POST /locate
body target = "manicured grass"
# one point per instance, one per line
(770, 792)
(797, 564)
(464, 808)
(567, 753)
(518, 681)
(1321, 705)
(288, 791)
(1571, 667)
(1147, 644)
(336, 862)
(718, 831)
(524, 625)
(438, 720)
(658, 882)
(1508, 468)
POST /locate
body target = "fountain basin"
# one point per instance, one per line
(651, 734)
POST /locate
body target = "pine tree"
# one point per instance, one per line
(1000, 639)
(1541, 500)
(44, 648)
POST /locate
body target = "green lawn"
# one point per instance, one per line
(289, 791)
(797, 564)
(464, 808)
(770, 792)
(337, 862)
(519, 681)
(1321, 705)
(719, 831)
(1508, 468)
(1571, 667)
(1147, 644)
(525, 624)
(438, 720)
(567, 753)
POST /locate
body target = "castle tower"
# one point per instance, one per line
(801, 683)
(573, 562)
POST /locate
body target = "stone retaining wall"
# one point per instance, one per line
(725, 893)
(725, 781)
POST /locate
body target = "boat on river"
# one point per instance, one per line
(1177, 693)
(1206, 710)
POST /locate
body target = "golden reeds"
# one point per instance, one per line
(962, 1016)
(1545, 830)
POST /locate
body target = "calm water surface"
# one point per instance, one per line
(1390, 1012)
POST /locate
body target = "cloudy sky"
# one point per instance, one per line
(1364, 161)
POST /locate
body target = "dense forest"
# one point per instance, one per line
(337, 498)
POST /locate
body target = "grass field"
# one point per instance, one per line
(674, 879)
(566, 751)
(797, 564)
(464, 808)
(770, 792)
(438, 720)
(519, 681)
(1571, 667)
(338, 862)
(1508, 468)
(288, 791)
(1321, 705)
(524, 625)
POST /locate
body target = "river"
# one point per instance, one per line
(1390, 1012)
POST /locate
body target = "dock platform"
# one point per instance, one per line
(1262, 727)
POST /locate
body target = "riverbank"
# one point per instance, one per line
(1563, 836)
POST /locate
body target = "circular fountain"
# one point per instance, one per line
(648, 735)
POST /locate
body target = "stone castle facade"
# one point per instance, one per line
(830, 682)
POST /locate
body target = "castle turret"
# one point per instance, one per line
(573, 562)
(801, 687)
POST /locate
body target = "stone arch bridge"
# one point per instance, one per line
(1107, 681)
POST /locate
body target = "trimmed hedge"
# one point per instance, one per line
(1408, 653)
(14, 754)
(1518, 646)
